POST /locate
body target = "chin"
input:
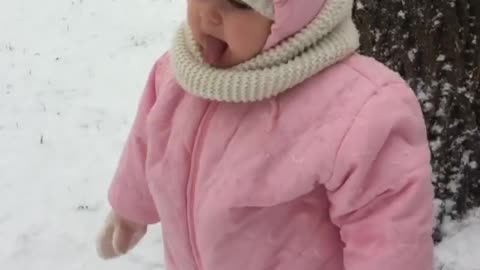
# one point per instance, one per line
(229, 60)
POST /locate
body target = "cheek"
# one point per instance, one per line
(248, 38)
(193, 21)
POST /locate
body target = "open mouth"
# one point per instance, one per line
(213, 50)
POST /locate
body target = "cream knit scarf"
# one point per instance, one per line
(329, 38)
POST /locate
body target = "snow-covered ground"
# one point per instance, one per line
(71, 73)
(460, 249)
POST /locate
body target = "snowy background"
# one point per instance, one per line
(71, 73)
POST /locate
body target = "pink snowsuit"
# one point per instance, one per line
(331, 175)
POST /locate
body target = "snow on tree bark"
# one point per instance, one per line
(435, 46)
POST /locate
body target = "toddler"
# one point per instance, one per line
(263, 141)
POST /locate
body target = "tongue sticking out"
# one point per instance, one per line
(213, 50)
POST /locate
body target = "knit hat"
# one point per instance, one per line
(264, 7)
(289, 16)
(307, 36)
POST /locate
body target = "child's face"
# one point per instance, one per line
(228, 31)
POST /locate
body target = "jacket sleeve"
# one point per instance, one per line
(129, 194)
(380, 189)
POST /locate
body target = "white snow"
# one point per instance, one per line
(447, 67)
(71, 73)
(441, 58)
(460, 250)
(359, 5)
(412, 54)
(473, 165)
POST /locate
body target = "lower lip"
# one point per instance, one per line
(220, 61)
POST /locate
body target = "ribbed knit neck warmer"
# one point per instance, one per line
(329, 38)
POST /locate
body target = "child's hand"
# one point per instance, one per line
(118, 236)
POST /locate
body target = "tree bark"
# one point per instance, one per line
(435, 46)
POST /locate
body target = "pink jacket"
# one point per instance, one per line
(331, 175)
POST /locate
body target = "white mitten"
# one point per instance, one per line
(118, 236)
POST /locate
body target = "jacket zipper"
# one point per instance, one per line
(194, 163)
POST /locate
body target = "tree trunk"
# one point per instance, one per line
(435, 46)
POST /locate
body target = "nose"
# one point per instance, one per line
(210, 13)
